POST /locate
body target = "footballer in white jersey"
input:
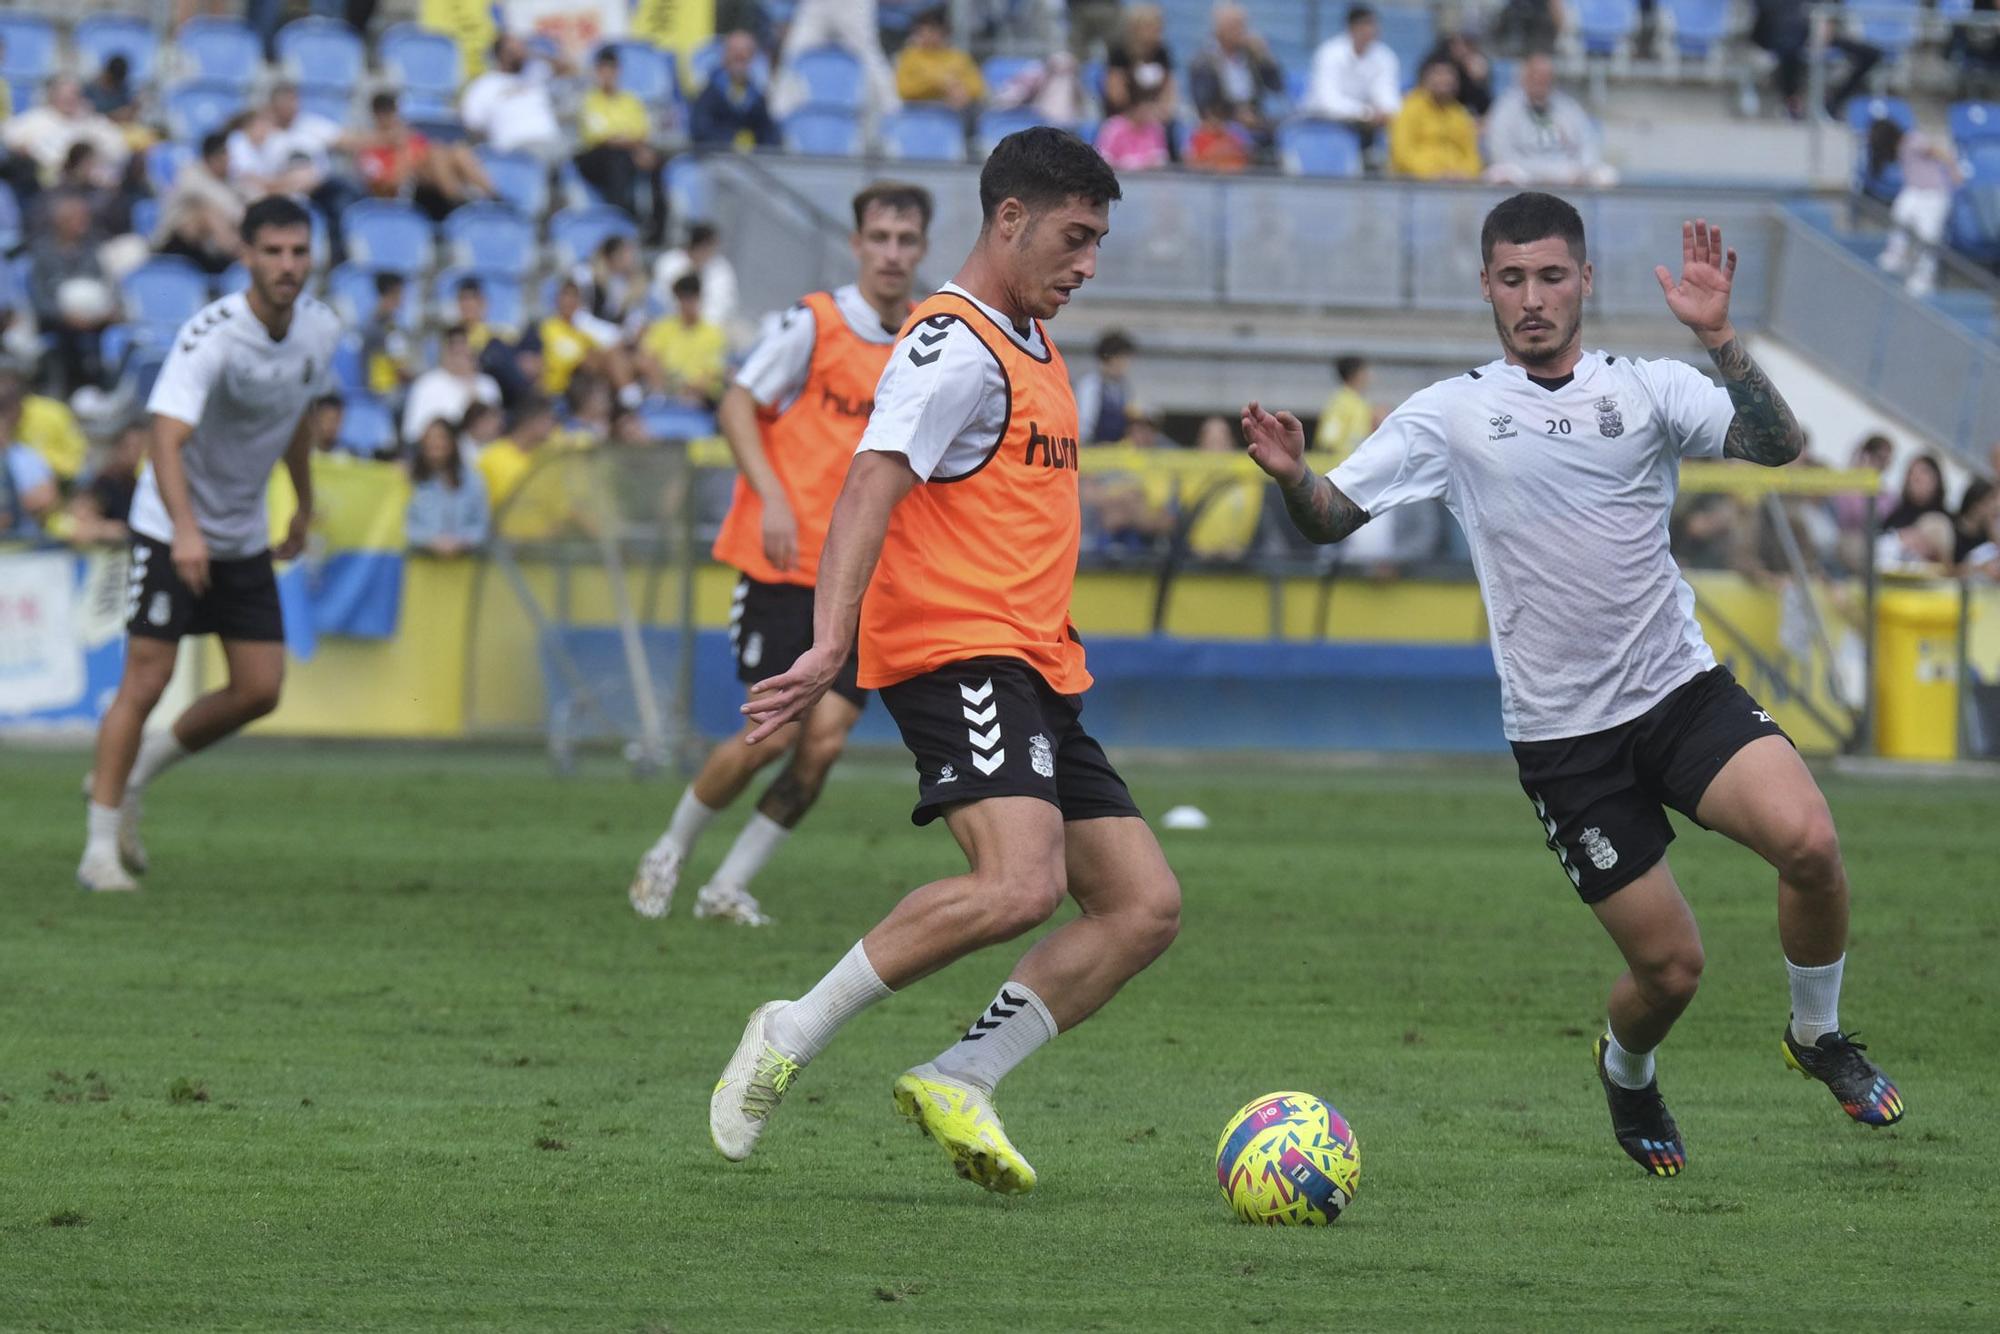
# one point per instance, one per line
(229, 404)
(1561, 466)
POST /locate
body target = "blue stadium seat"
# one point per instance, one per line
(1700, 26)
(145, 215)
(195, 110)
(10, 219)
(1309, 147)
(1605, 24)
(506, 298)
(99, 37)
(421, 61)
(1974, 122)
(1865, 111)
(348, 371)
(667, 420)
(647, 72)
(220, 50)
(575, 233)
(924, 133)
(522, 180)
(163, 292)
(350, 290)
(387, 234)
(999, 71)
(325, 52)
(234, 279)
(1954, 8)
(686, 186)
(1408, 31)
(31, 49)
(1895, 34)
(1974, 226)
(492, 238)
(823, 131)
(164, 161)
(367, 427)
(997, 125)
(333, 103)
(832, 76)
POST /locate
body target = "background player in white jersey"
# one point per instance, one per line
(792, 419)
(1561, 465)
(230, 402)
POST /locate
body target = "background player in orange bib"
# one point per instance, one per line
(962, 505)
(792, 418)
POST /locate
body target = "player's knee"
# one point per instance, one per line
(1809, 855)
(256, 698)
(816, 755)
(1159, 917)
(1674, 978)
(1022, 898)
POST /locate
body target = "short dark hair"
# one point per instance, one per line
(1528, 217)
(469, 283)
(382, 103)
(897, 197)
(328, 401)
(688, 284)
(1349, 366)
(1359, 13)
(273, 211)
(1436, 58)
(1115, 343)
(1042, 167)
(701, 233)
(933, 18)
(529, 406)
(387, 282)
(457, 333)
(211, 144)
(606, 55)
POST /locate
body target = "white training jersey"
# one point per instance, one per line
(244, 393)
(1564, 489)
(775, 372)
(945, 413)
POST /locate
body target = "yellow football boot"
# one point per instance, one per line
(962, 1120)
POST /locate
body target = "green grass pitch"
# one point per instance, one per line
(382, 1047)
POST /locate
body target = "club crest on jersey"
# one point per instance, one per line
(1503, 427)
(1598, 848)
(1610, 423)
(1040, 757)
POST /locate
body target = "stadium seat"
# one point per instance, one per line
(163, 292)
(348, 371)
(924, 133)
(686, 187)
(195, 110)
(1319, 148)
(333, 103)
(350, 290)
(492, 238)
(1409, 31)
(997, 125)
(421, 61)
(575, 233)
(1865, 111)
(1974, 226)
(1974, 122)
(832, 77)
(325, 52)
(823, 131)
(367, 427)
(387, 234)
(99, 37)
(522, 180)
(10, 219)
(1605, 24)
(220, 50)
(164, 161)
(430, 111)
(999, 71)
(1700, 26)
(233, 279)
(145, 215)
(647, 72)
(675, 421)
(31, 49)
(1894, 33)
(506, 298)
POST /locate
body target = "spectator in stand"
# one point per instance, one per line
(483, 424)
(47, 426)
(1923, 204)
(448, 513)
(45, 135)
(731, 111)
(1475, 71)
(1053, 87)
(202, 211)
(388, 362)
(28, 492)
(498, 351)
(1348, 417)
(1136, 138)
(1230, 79)
(702, 256)
(1216, 145)
(1922, 547)
(509, 106)
(1356, 78)
(82, 176)
(849, 24)
(617, 155)
(1540, 135)
(1104, 394)
(396, 160)
(1227, 509)
(1858, 517)
(325, 415)
(111, 91)
(614, 284)
(314, 138)
(98, 511)
(1138, 67)
(1433, 137)
(505, 464)
(1784, 28)
(931, 69)
(684, 355)
(73, 300)
(1923, 493)
(1527, 25)
(1092, 24)
(1974, 524)
(570, 339)
(449, 388)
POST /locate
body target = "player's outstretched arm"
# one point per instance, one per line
(1764, 431)
(1277, 444)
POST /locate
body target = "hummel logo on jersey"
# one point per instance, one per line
(1503, 427)
(987, 752)
(947, 775)
(1058, 451)
(1005, 1006)
(841, 406)
(1760, 715)
(939, 327)
(1610, 423)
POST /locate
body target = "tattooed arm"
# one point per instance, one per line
(1319, 511)
(1764, 431)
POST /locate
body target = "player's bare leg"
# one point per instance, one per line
(256, 677)
(149, 665)
(721, 780)
(1655, 930)
(1765, 798)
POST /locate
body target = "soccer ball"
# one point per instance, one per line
(1288, 1158)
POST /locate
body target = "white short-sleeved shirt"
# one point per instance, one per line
(945, 412)
(244, 393)
(1564, 494)
(775, 372)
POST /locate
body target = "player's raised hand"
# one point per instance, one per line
(790, 695)
(1700, 299)
(781, 532)
(1277, 442)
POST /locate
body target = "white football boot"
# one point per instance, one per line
(752, 1085)
(101, 872)
(729, 903)
(652, 888)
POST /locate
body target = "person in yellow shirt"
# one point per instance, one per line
(513, 463)
(684, 356)
(564, 345)
(1433, 137)
(49, 428)
(617, 155)
(1224, 511)
(931, 69)
(1348, 418)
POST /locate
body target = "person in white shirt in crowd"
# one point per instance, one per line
(47, 132)
(702, 256)
(1356, 78)
(509, 106)
(449, 388)
(1539, 135)
(850, 25)
(1930, 175)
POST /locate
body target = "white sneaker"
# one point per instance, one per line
(730, 903)
(101, 872)
(752, 1085)
(131, 849)
(652, 889)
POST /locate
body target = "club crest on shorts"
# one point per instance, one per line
(1610, 422)
(753, 648)
(161, 610)
(1040, 757)
(1598, 848)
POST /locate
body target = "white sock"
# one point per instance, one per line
(159, 751)
(802, 1029)
(1626, 1069)
(102, 826)
(1013, 1026)
(752, 848)
(1815, 1000)
(690, 818)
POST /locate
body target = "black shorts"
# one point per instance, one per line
(992, 727)
(241, 602)
(770, 625)
(1601, 797)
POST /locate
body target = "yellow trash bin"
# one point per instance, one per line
(1916, 671)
